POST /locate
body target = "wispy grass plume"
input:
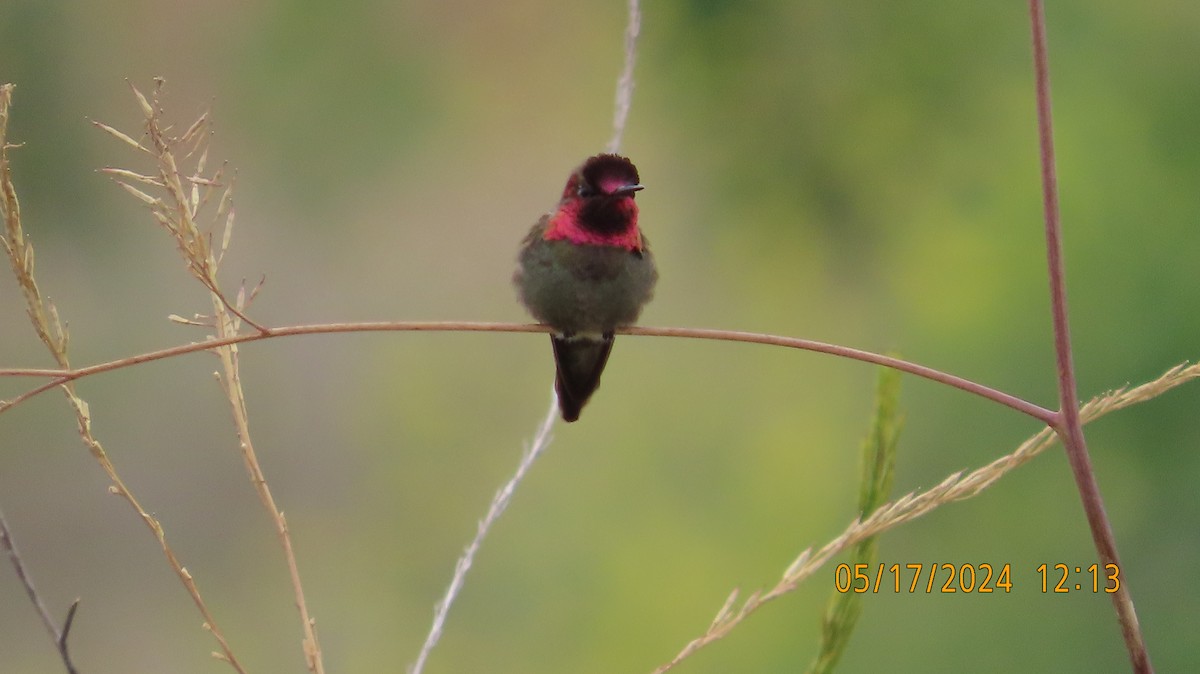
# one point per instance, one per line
(179, 193)
(53, 333)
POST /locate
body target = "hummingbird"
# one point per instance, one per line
(585, 270)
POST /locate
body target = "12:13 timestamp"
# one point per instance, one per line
(1069, 580)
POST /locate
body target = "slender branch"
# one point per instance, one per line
(499, 503)
(1068, 398)
(624, 99)
(1067, 423)
(61, 377)
(58, 635)
(1006, 399)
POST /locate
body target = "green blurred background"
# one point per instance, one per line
(856, 172)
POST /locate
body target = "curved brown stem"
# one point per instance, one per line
(61, 377)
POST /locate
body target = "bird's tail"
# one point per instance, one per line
(579, 360)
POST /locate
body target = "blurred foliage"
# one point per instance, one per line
(855, 172)
(877, 471)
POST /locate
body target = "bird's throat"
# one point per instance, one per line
(619, 230)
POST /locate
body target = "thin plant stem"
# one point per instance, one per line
(1066, 422)
(541, 440)
(60, 377)
(624, 98)
(58, 635)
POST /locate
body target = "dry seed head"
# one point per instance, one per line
(147, 110)
(132, 175)
(141, 196)
(120, 136)
(195, 131)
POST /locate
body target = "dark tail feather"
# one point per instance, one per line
(579, 362)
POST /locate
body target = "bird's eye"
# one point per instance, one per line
(586, 191)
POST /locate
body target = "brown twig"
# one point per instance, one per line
(1066, 422)
(58, 635)
(60, 377)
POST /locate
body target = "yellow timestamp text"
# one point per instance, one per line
(1063, 578)
(918, 577)
(985, 578)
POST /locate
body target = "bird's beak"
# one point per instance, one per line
(628, 189)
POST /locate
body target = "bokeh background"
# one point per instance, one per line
(856, 172)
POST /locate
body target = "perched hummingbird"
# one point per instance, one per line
(585, 270)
